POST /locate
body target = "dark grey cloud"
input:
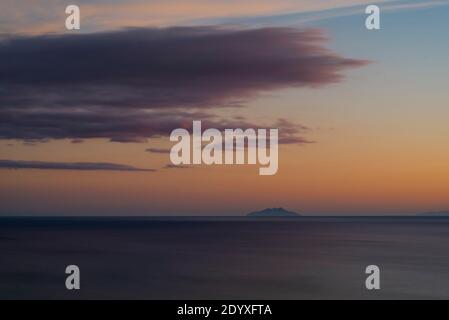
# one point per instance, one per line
(114, 124)
(129, 126)
(134, 84)
(90, 166)
(158, 150)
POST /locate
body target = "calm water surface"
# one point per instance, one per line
(224, 258)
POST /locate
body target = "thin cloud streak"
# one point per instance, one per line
(173, 166)
(158, 150)
(82, 166)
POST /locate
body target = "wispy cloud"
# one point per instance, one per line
(301, 18)
(83, 166)
(18, 16)
(405, 5)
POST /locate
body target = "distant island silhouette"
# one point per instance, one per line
(444, 213)
(273, 212)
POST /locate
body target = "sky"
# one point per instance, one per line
(85, 115)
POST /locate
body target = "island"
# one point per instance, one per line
(273, 212)
(435, 214)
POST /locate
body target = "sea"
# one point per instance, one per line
(224, 257)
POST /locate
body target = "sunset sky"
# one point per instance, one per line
(85, 115)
